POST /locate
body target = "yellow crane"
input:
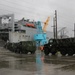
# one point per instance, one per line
(46, 24)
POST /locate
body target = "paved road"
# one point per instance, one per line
(20, 64)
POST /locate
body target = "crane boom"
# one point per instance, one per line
(46, 24)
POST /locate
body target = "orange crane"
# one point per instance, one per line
(46, 24)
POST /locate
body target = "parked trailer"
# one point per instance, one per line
(64, 46)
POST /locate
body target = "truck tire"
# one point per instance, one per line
(46, 51)
(53, 51)
(63, 52)
(70, 52)
(32, 52)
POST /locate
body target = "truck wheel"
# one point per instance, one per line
(70, 52)
(32, 52)
(63, 52)
(25, 52)
(53, 51)
(46, 51)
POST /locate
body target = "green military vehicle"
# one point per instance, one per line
(64, 46)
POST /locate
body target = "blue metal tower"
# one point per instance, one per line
(40, 37)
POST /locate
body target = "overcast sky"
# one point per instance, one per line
(41, 9)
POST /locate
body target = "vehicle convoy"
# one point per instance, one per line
(64, 46)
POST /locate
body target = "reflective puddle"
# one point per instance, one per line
(38, 64)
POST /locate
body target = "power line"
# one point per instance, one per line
(24, 5)
(16, 12)
(17, 4)
(20, 9)
(14, 7)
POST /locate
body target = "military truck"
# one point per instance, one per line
(64, 46)
(22, 47)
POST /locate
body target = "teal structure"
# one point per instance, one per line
(40, 37)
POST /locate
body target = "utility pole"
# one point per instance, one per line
(54, 27)
(74, 30)
(56, 22)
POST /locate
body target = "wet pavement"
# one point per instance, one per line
(21, 64)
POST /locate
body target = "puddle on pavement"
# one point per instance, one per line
(36, 64)
(18, 63)
(40, 63)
